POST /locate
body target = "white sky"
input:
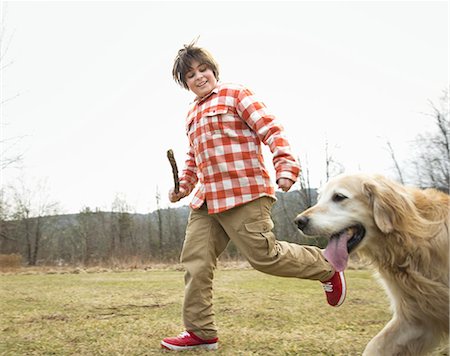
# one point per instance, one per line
(98, 108)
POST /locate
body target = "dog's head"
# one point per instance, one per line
(353, 211)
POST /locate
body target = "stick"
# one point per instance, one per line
(173, 164)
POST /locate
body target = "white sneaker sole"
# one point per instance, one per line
(168, 346)
(344, 289)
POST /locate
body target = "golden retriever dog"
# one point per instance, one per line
(404, 232)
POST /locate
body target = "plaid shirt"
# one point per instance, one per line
(225, 131)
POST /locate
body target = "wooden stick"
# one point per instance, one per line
(173, 164)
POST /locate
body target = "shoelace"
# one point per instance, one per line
(327, 287)
(184, 334)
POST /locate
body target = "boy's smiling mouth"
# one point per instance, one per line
(200, 79)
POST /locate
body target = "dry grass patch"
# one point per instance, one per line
(128, 313)
(10, 262)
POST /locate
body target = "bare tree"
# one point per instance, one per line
(8, 241)
(123, 229)
(394, 159)
(432, 158)
(85, 229)
(304, 181)
(5, 41)
(7, 144)
(158, 211)
(332, 167)
(31, 206)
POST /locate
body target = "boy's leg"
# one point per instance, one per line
(205, 240)
(249, 227)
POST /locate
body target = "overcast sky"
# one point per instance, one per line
(97, 107)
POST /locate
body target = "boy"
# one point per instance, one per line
(225, 126)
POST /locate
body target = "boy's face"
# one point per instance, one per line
(200, 79)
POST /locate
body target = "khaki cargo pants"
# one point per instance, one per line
(249, 227)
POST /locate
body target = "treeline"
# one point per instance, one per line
(105, 238)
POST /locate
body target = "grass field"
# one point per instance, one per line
(127, 313)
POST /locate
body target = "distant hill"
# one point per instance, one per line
(96, 237)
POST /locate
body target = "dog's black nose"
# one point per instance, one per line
(301, 221)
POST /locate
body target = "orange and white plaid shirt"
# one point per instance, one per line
(225, 131)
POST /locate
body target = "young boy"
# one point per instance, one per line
(225, 126)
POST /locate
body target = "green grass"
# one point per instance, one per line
(128, 313)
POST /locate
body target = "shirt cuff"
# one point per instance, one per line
(286, 174)
(187, 186)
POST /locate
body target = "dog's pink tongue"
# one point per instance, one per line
(336, 251)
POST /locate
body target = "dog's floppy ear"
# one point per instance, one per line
(382, 212)
(389, 203)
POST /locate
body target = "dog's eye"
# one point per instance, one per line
(338, 197)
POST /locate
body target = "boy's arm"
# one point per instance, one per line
(270, 132)
(188, 178)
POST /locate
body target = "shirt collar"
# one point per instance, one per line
(198, 100)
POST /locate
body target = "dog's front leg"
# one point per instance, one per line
(399, 337)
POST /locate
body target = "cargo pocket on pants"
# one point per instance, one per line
(264, 229)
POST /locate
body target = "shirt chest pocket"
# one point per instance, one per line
(215, 120)
(210, 123)
(224, 122)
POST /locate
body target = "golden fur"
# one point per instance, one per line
(407, 240)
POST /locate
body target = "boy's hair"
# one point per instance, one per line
(184, 59)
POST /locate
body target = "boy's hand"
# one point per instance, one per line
(285, 184)
(174, 197)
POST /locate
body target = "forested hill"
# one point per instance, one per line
(94, 237)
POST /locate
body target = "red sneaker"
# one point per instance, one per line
(335, 289)
(187, 340)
